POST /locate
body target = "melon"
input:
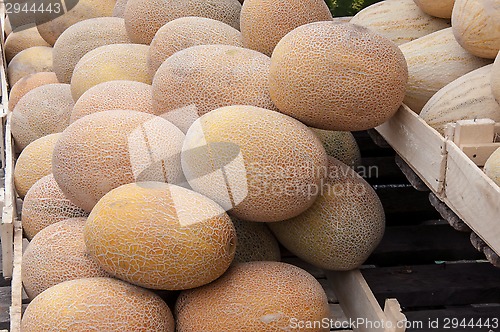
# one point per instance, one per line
(259, 177)
(82, 38)
(42, 111)
(265, 22)
(44, 205)
(255, 242)
(199, 79)
(492, 167)
(341, 145)
(441, 8)
(97, 304)
(119, 9)
(342, 228)
(22, 38)
(7, 26)
(143, 18)
(160, 236)
(185, 32)
(495, 78)
(29, 61)
(110, 63)
(105, 150)
(28, 83)
(259, 296)
(337, 76)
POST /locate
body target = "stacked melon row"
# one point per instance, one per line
(165, 151)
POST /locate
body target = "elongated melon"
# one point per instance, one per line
(434, 61)
(399, 20)
(495, 78)
(468, 97)
(437, 8)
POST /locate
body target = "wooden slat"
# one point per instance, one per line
(17, 286)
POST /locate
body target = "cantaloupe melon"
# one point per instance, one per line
(441, 8)
(34, 162)
(83, 37)
(263, 176)
(265, 22)
(342, 228)
(21, 39)
(495, 78)
(110, 63)
(476, 26)
(28, 83)
(201, 78)
(259, 296)
(399, 20)
(255, 242)
(44, 205)
(119, 9)
(492, 167)
(42, 111)
(185, 32)
(105, 150)
(337, 76)
(97, 304)
(114, 95)
(143, 18)
(160, 236)
(57, 254)
(341, 145)
(29, 61)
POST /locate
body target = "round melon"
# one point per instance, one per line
(29, 61)
(259, 296)
(201, 78)
(265, 22)
(441, 8)
(185, 32)
(83, 37)
(495, 78)
(258, 163)
(57, 254)
(97, 304)
(105, 150)
(160, 236)
(22, 38)
(44, 205)
(255, 242)
(492, 167)
(110, 63)
(337, 76)
(119, 9)
(42, 111)
(28, 83)
(341, 145)
(34, 162)
(143, 18)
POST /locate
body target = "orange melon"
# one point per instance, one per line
(341, 145)
(255, 242)
(22, 38)
(28, 83)
(29, 61)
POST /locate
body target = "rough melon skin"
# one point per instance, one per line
(442, 8)
(44, 205)
(105, 150)
(144, 18)
(160, 236)
(42, 111)
(265, 22)
(342, 228)
(110, 63)
(29, 61)
(57, 254)
(199, 79)
(21, 39)
(97, 304)
(255, 296)
(495, 78)
(34, 162)
(185, 32)
(119, 9)
(84, 37)
(114, 95)
(341, 145)
(259, 177)
(255, 242)
(28, 83)
(337, 76)
(492, 167)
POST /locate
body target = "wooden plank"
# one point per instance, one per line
(17, 286)
(9, 208)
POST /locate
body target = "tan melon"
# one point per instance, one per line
(42, 111)
(325, 82)
(399, 20)
(495, 78)
(105, 150)
(342, 228)
(265, 22)
(341, 145)
(114, 95)
(99, 304)
(22, 38)
(28, 83)
(434, 61)
(34, 162)
(110, 63)
(119, 9)
(476, 26)
(144, 18)
(267, 296)
(57, 254)
(52, 24)
(255, 242)
(184, 240)
(468, 97)
(185, 32)
(29, 61)
(441, 8)
(260, 177)
(492, 167)
(83, 37)
(44, 205)
(7, 26)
